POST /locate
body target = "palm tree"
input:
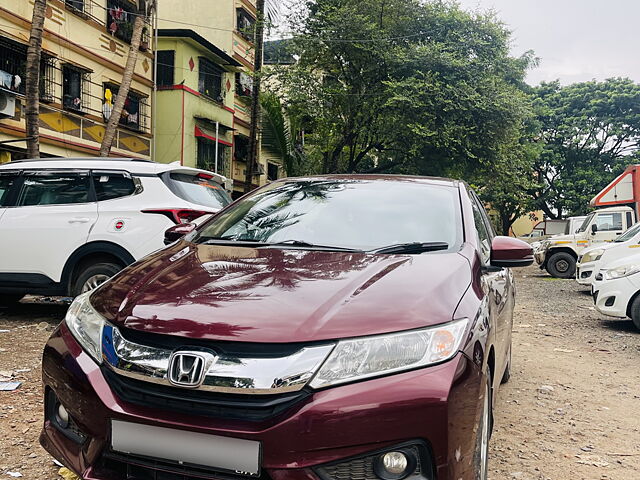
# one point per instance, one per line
(270, 14)
(127, 76)
(280, 132)
(32, 106)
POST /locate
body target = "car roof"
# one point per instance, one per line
(387, 177)
(131, 165)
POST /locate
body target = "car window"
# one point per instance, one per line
(198, 189)
(585, 223)
(7, 180)
(629, 234)
(484, 235)
(609, 221)
(362, 214)
(54, 189)
(110, 185)
(629, 219)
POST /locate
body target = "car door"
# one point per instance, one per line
(496, 285)
(610, 225)
(53, 214)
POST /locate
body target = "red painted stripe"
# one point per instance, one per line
(200, 133)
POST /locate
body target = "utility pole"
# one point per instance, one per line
(252, 160)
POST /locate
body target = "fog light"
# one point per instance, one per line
(395, 462)
(63, 416)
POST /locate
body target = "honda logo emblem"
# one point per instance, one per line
(189, 368)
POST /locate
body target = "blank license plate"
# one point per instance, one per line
(234, 454)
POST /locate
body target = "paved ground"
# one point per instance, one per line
(570, 410)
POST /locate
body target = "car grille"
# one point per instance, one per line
(193, 402)
(131, 467)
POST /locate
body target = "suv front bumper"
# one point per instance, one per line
(436, 407)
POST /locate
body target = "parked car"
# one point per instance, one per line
(595, 258)
(69, 224)
(337, 326)
(559, 254)
(616, 289)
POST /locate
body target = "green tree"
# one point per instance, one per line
(588, 133)
(404, 86)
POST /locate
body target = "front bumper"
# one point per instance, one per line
(612, 297)
(438, 407)
(540, 257)
(585, 273)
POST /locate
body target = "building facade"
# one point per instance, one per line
(205, 60)
(84, 51)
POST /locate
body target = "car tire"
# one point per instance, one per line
(92, 276)
(634, 312)
(561, 265)
(10, 299)
(507, 371)
(481, 454)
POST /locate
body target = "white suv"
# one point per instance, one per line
(67, 225)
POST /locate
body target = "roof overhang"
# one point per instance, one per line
(224, 58)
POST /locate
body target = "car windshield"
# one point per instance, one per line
(198, 189)
(629, 234)
(586, 223)
(359, 214)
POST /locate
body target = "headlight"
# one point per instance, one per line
(86, 326)
(623, 271)
(593, 255)
(368, 357)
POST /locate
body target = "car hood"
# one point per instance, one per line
(282, 295)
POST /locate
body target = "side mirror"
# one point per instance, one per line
(177, 232)
(510, 252)
(594, 229)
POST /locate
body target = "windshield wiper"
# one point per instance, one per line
(230, 239)
(413, 247)
(312, 246)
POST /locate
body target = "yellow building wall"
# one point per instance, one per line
(81, 41)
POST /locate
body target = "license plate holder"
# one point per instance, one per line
(229, 454)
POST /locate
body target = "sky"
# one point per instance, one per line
(576, 40)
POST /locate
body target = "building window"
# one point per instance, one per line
(13, 64)
(77, 5)
(241, 148)
(75, 82)
(206, 156)
(47, 78)
(134, 113)
(245, 23)
(210, 79)
(120, 18)
(166, 61)
(272, 171)
(244, 84)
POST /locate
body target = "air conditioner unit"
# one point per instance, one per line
(7, 104)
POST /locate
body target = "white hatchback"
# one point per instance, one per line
(70, 224)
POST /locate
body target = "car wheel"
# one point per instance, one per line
(481, 457)
(92, 276)
(634, 312)
(561, 265)
(507, 371)
(10, 299)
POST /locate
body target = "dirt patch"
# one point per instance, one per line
(570, 409)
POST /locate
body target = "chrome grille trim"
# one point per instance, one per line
(229, 374)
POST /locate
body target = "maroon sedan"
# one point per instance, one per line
(325, 328)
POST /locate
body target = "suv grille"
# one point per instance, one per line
(193, 402)
(141, 468)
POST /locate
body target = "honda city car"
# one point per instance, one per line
(321, 328)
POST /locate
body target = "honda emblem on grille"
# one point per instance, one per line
(189, 369)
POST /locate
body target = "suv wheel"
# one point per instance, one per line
(481, 456)
(92, 276)
(561, 265)
(10, 299)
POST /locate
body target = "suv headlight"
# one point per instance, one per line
(592, 256)
(623, 271)
(368, 357)
(86, 326)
